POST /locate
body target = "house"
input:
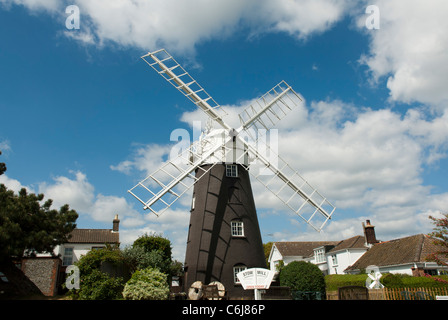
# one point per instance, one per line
(404, 255)
(47, 271)
(332, 257)
(81, 241)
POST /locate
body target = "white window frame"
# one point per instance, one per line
(231, 170)
(237, 228)
(334, 260)
(237, 269)
(319, 255)
(68, 257)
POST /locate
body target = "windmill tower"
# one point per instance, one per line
(224, 235)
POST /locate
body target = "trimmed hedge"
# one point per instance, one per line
(335, 281)
(302, 276)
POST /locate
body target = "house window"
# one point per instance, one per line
(319, 255)
(231, 170)
(237, 228)
(237, 269)
(334, 259)
(68, 257)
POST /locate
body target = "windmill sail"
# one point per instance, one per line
(174, 178)
(270, 108)
(291, 188)
(165, 65)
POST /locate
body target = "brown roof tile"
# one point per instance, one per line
(395, 252)
(303, 249)
(94, 236)
(356, 242)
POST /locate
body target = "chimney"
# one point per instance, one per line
(115, 224)
(369, 233)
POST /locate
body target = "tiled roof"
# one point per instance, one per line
(94, 236)
(306, 248)
(356, 242)
(395, 252)
(302, 249)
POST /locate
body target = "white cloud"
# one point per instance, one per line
(145, 158)
(363, 160)
(78, 192)
(181, 25)
(14, 184)
(410, 50)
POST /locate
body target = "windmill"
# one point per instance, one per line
(224, 235)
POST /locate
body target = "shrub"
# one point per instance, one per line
(100, 286)
(147, 284)
(302, 276)
(408, 281)
(335, 281)
(93, 259)
(96, 285)
(138, 258)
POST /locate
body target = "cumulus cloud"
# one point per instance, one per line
(410, 49)
(181, 25)
(364, 160)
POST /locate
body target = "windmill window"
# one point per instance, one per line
(237, 269)
(231, 170)
(237, 228)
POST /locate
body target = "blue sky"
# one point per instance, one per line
(83, 118)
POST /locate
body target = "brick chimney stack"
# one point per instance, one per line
(115, 224)
(369, 233)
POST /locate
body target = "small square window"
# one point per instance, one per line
(237, 269)
(232, 170)
(237, 228)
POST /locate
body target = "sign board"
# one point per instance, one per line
(256, 278)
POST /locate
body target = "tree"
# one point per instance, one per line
(267, 251)
(95, 284)
(147, 284)
(159, 248)
(151, 242)
(27, 226)
(2, 166)
(302, 276)
(440, 235)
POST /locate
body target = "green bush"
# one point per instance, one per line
(335, 281)
(302, 276)
(407, 281)
(93, 259)
(94, 284)
(147, 284)
(389, 280)
(100, 286)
